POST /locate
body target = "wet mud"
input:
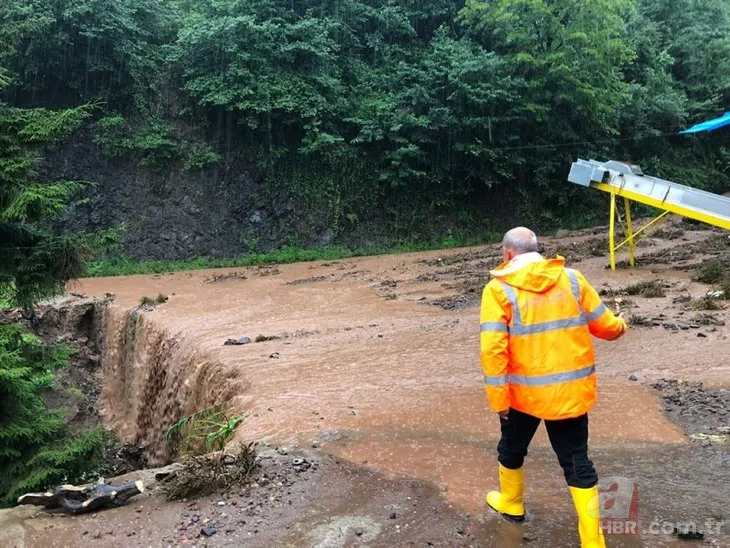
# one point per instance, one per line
(295, 498)
(374, 362)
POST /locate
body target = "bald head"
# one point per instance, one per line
(519, 240)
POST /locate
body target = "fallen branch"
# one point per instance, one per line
(80, 500)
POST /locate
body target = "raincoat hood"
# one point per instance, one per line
(531, 272)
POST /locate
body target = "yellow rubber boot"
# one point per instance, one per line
(508, 501)
(589, 524)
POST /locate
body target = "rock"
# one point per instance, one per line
(208, 530)
(393, 515)
(633, 377)
(242, 340)
(688, 533)
(702, 335)
(221, 503)
(300, 464)
(327, 237)
(167, 471)
(330, 436)
(282, 450)
(275, 355)
(529, 537)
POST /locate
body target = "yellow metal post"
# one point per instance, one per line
(629, 230)
(611, 227)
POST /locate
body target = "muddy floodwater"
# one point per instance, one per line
(375, 361)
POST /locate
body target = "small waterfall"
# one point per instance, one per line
(151, 378)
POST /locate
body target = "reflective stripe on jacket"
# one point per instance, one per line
(537, 319)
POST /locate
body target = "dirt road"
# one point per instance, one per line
(375, 361)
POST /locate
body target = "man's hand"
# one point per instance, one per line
(503, 414)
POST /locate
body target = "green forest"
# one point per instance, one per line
(420, 113)
(420, 116)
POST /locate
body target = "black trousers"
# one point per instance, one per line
(569, 438)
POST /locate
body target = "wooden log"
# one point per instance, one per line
(80, 500)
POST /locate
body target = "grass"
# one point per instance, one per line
(706, 303)
(6, 296)
(646, 288)
(637, 320)
(711, 272)
(724, 286)
(207, 430)
(124, 266)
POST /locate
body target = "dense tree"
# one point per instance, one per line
(357, 105)
(36, 449)
(88, 51)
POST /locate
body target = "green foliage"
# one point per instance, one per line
(696, 35)
(198, 156)
(717, 274)
(124, 266)
(36, 449)
(329, 184)
(412, 109)
(711, 272)
(91, 49)
(111, 135)
(154, 144)
(35, 262)
(202, 432)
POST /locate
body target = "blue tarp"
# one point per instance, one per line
(709, 125)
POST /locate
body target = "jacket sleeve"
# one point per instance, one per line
(493, 342)
(601, 321)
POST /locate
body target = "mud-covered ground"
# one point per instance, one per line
(295, 498)
(374, 361)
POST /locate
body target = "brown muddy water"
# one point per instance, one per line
(375, 361)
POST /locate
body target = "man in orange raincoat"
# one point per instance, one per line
(537, 318)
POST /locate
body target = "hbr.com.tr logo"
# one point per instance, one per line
(619, 506)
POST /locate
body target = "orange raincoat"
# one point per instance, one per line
(537, 318)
